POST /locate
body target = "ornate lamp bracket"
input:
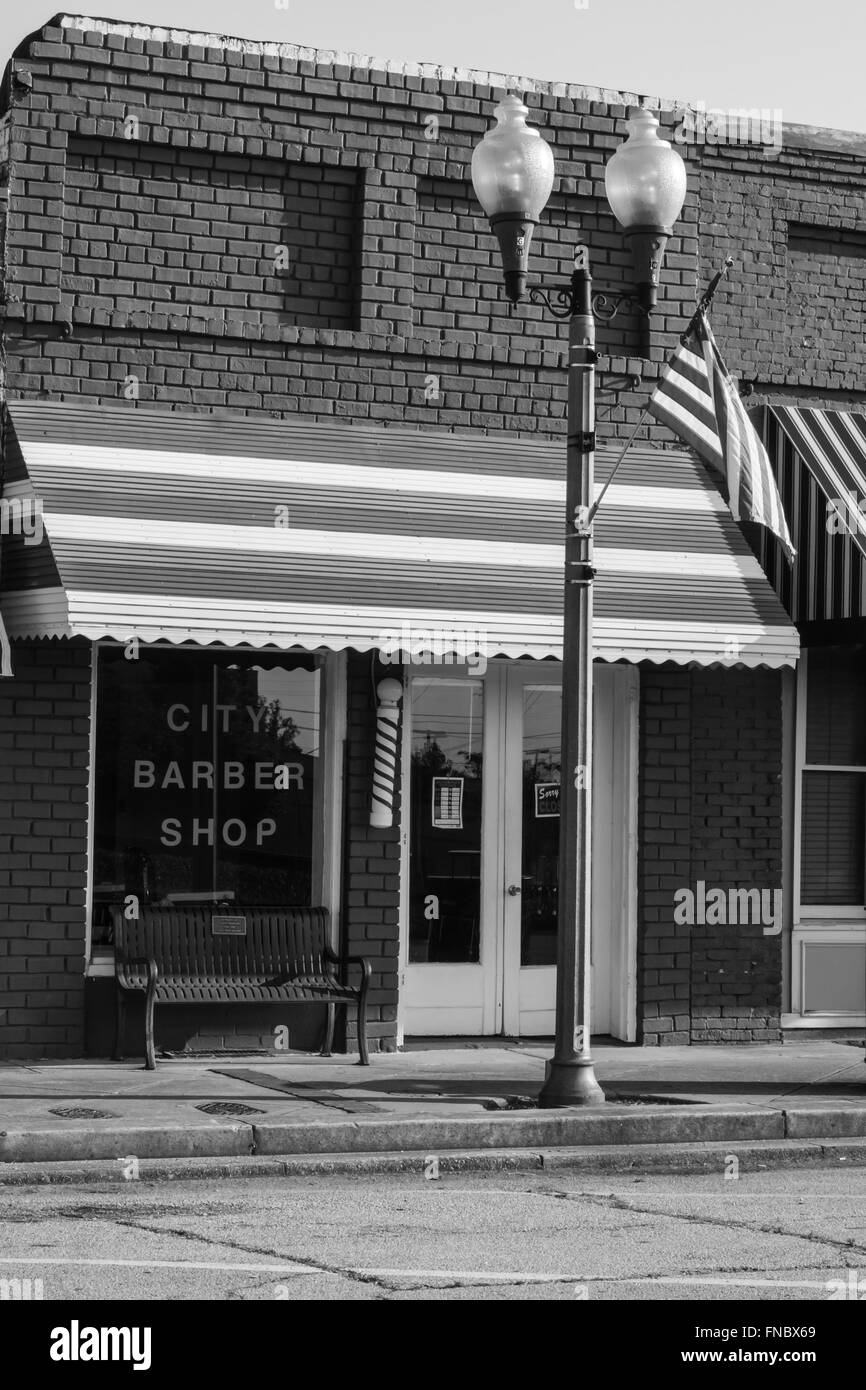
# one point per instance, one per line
(561, 304)
(606, 304)
(564, 306)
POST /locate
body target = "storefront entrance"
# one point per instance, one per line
(481, 849)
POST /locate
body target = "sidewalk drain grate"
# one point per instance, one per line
(612, 1098)
(228, 1107)
(83, 1112)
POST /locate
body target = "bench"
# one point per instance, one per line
(232, 955)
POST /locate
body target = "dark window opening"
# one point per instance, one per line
(208, 783)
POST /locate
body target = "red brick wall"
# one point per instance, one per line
(150, 229)
(297, 143)
(372, 864)
(791, 317)
(709, 809)
(44, 753)
(424, 338)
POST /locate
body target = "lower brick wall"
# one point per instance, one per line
(710, 812)
(44, 749)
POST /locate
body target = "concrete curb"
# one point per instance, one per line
(436, 1135)
(753, 1157)
(825, 1124)
(537, 1129)
(69, 1145)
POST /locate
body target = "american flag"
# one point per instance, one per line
(697, 398)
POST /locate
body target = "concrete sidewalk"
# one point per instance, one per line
(473, 1097)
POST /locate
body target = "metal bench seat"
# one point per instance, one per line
(205, 991)
(237, 955)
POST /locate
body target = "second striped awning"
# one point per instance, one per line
(293, 533)
(819, 460)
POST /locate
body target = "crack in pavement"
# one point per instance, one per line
(320, 1265)
(390, 1283)
(611, 1200)
(397, 1282)
(93, 1213)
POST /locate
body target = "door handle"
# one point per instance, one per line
(513, 890)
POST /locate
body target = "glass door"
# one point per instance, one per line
(529, 892)
(449, 975)
(481, 863)
(531, 824)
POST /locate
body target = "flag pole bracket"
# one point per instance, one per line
(614, 383)
(706, 298)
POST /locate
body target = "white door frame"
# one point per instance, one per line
(472, 986)
(623, 968)
(812, 926)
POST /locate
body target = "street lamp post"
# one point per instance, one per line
(645, 180)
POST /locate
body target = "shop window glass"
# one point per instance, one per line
(833, 838)
(836, 706)
(542, 767)
(445, 845)
(833, 834)
(208, 780)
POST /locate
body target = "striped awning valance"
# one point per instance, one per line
(819, 459)
(238, 531)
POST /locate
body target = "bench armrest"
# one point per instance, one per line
(149, 963)
(366, 968)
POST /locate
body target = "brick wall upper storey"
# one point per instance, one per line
(794, 219)
(253, 227)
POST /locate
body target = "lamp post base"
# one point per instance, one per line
(570, 1083)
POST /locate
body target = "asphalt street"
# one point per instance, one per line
(775, 1235)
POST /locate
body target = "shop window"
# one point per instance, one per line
(833, 785)
(832, 866)
(208, 779)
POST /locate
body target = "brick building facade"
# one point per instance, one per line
(252, 232)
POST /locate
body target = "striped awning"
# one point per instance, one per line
(5, 652)
(293, 533)
(819, 459)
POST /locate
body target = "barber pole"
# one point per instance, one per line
(389, 693)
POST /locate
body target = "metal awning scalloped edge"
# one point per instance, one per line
(208, 529)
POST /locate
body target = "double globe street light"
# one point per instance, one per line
(645, 183)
